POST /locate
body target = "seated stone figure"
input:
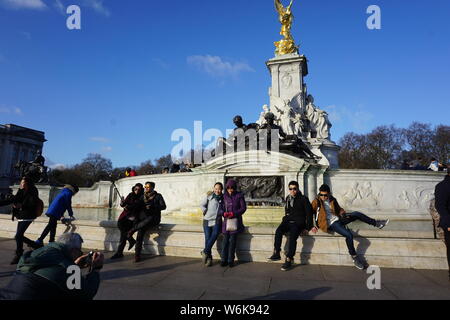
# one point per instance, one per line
(263, 135)
(288, 143)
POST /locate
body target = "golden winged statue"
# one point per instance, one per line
(286, 45)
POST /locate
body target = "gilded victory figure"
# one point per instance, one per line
(286, 45)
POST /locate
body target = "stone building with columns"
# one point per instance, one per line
(17, 143)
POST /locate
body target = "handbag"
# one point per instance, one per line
(232, 224)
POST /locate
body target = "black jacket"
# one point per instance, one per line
(442, 202)
(153, 207)
(132, 205)
(300, 213)
(28, 201)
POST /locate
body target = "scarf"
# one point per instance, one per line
(217, 197)
(149, 196)
(290, 201)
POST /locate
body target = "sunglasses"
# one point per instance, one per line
(293, 189)
(323, 195)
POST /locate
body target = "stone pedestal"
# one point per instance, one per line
(287, 73)
(328, 150)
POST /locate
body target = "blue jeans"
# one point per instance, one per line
(340, 228)
(211, 234)
(350, 217)
(229, 247)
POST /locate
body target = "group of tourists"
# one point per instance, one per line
(41, 272)
(222, 213)
(417, 164)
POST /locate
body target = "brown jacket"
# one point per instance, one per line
(321, 216)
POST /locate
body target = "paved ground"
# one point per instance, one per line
(172, 278)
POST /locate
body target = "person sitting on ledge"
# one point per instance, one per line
(298, 218)
(45, 273)
(329, 216)
(152, 203)
(132, 206)
(55, 212)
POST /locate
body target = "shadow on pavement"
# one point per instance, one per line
(6, 274)
(127, 273)
(293, 294)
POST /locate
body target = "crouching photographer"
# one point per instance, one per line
(54, 272)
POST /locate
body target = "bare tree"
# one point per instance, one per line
(441, 144)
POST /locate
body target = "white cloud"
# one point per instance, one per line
(107, 149)
(161, 63)
(59, 166)
(98, 6)
(357, 119)
(99, 139)
(26, 35)
(23, 4)
(59, 6)
(217, 67)
(52, 165)
(11, 110)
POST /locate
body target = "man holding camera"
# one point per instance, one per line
(46, 273)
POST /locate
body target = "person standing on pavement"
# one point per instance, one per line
(442, 204)
(25, 206)
(212, 221)
(234, 207)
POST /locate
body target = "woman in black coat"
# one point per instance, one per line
(132, 204)
(25, 205)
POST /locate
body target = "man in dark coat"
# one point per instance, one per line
(152, 203)
(298, 218)
(442, 194)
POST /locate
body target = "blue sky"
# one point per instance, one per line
(139, 69)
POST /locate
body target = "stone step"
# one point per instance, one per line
(257, 243)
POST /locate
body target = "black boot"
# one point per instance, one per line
(275, 256)
(16, 259)
(131, 242)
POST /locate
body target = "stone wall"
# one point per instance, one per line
(382, 248)
(381, 193)
(393, 193)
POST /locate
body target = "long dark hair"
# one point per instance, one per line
(141, 192)
(29, 182)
